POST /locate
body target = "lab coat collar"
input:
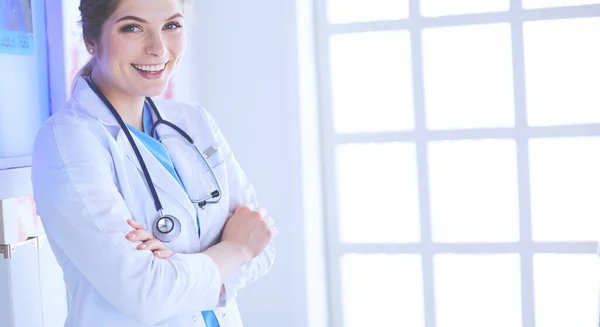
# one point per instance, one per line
(162, 179)
(89, 101)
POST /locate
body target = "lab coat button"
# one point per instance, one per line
(223, 314)
(194, 318)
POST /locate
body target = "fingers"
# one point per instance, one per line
(243, 208)
(140, 235)
(269, 220)
(248, 206)
(157, 247)
(163, 254)
(135, 224)
(271, 224)
(148, 241)
(251, 207)
(151, 245)
(262, 211)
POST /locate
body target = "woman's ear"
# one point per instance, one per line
(90, 46)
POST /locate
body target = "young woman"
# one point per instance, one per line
(149, 214)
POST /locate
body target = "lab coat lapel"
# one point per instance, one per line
(186, 160)
(161, 178)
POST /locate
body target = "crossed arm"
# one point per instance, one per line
(147, 242)
(241, 193)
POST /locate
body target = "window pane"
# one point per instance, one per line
(529, 4)
(477, 290)
(468, 76)
(378, 193)
(474, 191)
(566, 290)
(351, 11)
(562, 71)
(565, 185)
(434, 8)
(382, 290)
(371, 82)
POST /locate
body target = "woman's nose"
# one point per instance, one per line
(156, 45)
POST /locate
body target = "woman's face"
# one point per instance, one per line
(140, 45)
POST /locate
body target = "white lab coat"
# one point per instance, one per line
(87, 182)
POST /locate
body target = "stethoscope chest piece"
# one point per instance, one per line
(166, 228)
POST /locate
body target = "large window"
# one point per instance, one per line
(462, 147)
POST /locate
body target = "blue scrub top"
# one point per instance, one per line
(162, 155)
(158, 150)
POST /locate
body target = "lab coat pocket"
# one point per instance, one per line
(214, 158)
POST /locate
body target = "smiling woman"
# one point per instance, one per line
(118, 179)
(135, 47)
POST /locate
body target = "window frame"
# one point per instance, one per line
(520, 132)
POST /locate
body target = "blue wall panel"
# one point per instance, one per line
(24, 87)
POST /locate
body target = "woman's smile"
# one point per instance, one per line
(150, 71)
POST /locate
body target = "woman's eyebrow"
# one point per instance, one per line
(137, 19)
(174, 16)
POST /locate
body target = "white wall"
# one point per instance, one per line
(244, 68)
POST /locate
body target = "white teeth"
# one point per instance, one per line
(154, 68)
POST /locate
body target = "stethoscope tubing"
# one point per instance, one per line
(175, 229)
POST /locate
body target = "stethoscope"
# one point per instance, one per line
(167, 227)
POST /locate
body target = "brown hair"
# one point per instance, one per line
(93, 15)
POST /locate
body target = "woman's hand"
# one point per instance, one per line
(250, 230)
(148, 241)
(245, 235)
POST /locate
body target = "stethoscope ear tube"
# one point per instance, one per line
(167, 227)
(216, 194)
(138, 155)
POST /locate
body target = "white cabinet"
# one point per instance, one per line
(20, 285)
(32, 291)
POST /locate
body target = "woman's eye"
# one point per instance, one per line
(172, 26)
(131, 28)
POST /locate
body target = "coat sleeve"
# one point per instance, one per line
(83, 212)
(241, 192)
